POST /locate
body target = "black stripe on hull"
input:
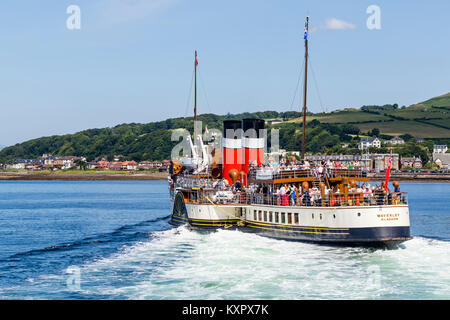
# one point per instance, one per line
(203, 224)
(372, 236)
(178, 221)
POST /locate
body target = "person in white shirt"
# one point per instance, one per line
(283, 191)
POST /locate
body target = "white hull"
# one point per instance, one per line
(389, 223)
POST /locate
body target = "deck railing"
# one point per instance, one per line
(188, 182)
(268, 174)
(213, 196)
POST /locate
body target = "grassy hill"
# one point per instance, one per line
(440, 101)
(325, 131)
(428, 119)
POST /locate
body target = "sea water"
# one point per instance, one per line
(112, 240)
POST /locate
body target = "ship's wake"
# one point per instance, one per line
(179, 263)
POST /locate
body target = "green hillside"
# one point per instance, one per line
(326, 132)
(440, 101)
(424, 120)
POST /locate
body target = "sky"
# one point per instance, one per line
(132, 60)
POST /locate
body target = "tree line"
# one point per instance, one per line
(152, 141)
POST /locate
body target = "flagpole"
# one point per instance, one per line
(305, 88)
(195, 98)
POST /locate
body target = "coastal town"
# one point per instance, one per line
(367, 161)
(50, 162)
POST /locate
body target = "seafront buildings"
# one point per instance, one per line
(367, 162)
(441, 157)
(364, 160)
(49, 162)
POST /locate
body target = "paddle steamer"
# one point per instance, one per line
(215, 188)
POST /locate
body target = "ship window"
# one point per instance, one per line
(359, 214)
(296, 221)
(312, 215)
(265, 215)
(259, 215)
(277, 217)
(270, 216)
(320, 216)
(283, 217)
(290, 218)
(254, 214)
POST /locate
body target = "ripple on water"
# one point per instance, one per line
(180, 263)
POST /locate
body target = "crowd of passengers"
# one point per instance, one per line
(295, 194)
(319, 168)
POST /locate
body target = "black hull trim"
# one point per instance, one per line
(371, 237)
(204, 224)
(178, 221)
(367, 237)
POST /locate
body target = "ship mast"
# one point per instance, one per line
(195, 98)
(305, 88)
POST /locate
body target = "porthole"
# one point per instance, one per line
(320, 216)
(312, 215)
(359, 214)
(334, 216)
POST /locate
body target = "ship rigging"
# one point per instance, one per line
(318, 202)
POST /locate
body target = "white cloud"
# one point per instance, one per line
(334, 24)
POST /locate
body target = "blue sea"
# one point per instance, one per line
(112, 240)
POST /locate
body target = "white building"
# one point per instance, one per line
(16, 166)
(369, 143)
(396, 140)
(440, 156)
(442, 160)
(440, 148)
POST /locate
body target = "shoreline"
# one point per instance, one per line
(99, 176)
(86, 176)
(411, 177)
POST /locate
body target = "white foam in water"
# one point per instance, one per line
(183, 264)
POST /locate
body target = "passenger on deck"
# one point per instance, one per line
(306, 198)
(379, 195)
(396, 197)
(292, 196)
(315, 196)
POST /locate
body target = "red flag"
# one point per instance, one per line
(388, 172)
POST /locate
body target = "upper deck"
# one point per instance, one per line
(306, 174)
(333, 188)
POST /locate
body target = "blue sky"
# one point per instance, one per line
(132, 60)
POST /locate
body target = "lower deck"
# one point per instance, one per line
(348, 225)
